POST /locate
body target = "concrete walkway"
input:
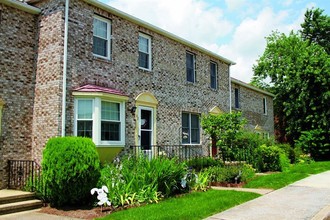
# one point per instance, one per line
(306, 199)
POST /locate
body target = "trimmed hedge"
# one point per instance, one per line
(71, 168)
(271, 158)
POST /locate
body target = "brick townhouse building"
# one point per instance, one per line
(83, 68)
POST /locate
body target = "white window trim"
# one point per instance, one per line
(194, 65)
(149, 51)
(216, 75)
(199, 129)
(108, 37)
(96, 135)
(264, 105)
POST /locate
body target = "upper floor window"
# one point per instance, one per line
(101, 120)
(101, 37)
(213, 75)
(144, 51)
(264, 105)
(237, 98)
(190, 128)
(191, 67)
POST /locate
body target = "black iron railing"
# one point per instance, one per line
(22, 171)
(183, 152)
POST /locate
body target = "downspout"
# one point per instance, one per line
(229, 81)
(65, 60)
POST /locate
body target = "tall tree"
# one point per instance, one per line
(316, 28)
(299, 72)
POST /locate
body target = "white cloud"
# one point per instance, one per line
(248, 42)
(193, 20)
(234, 4)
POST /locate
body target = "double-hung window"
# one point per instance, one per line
(237, 98)
(101, 120)
(85, 118)
(213, 75)
(191, 67)
(144, 51)
(190, 128)
(101, 37)
(264, 105)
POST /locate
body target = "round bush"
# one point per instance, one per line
(271, 158)
(71, 168)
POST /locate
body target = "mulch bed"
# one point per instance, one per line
(225, 184)
(89, 212)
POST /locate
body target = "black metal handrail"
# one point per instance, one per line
(22, 171)
(183, 152)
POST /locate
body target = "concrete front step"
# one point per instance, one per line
(12, 201)
(11, 196)
(20, 206)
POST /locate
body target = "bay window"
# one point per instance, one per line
(101, 120)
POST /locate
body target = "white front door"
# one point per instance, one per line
(146, 130)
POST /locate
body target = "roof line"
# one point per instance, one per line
(21, 6)
(236, 81)
(156, 29)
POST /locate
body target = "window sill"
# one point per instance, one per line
(102, 59)
(110, 145)
(188, 83)
(145, 70)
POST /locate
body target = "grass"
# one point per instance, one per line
(295, 173)
(196, 205)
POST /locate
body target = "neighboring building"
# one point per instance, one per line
(256, 106)
(120, 81)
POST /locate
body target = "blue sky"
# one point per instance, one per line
(235, 29)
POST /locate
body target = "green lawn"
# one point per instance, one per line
(197, 205)
(295, 173)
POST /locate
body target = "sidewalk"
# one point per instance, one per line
(306, 199)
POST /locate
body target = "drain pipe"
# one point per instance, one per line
(65, 60)
(229, 81)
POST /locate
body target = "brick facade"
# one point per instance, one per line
(32, 84)
(252, 107)
(17, 66)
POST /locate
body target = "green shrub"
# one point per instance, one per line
(244, 145)
(231, 173)
(289, 151)
(137, 179)
(316, 143)
(70, 169)
(271, 158)
(37, 185)
(199, 163)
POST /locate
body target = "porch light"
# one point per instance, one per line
(133, 109)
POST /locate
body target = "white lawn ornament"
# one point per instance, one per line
(102, 196)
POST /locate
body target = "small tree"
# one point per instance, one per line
(223, 128)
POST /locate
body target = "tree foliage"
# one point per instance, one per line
(316, 28)
(224, 128)
(298, 67)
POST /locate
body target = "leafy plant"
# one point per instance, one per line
(316, 143)
(231, 173)
(70, 168)
(223, 128)
(199, 163)
(271, 158)
(137, 179)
